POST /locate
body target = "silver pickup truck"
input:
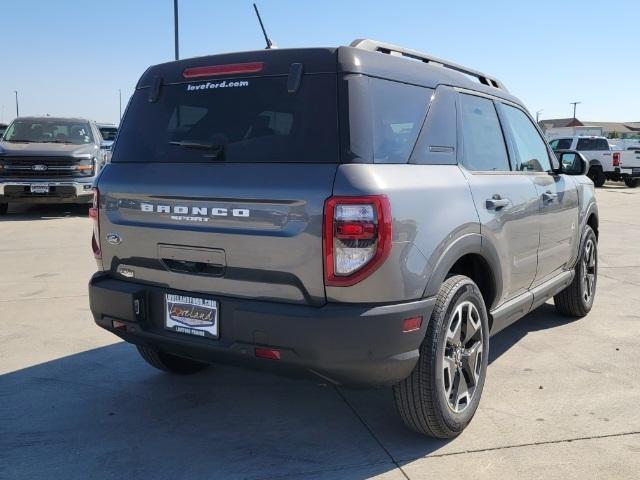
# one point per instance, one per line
(49, 160)
(368, 214)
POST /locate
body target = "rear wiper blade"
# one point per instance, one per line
(215, 149)
(20, 141)
(198, 145)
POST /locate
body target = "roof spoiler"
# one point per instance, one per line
(376, 46)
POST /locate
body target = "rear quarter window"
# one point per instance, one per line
(380, 119)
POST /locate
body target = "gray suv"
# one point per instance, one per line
(368, 214)
(49, 160)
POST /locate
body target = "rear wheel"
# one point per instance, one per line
(170, 363)
(3, 208)
(577, 299)
(597, 176)
(632, 182)
(442, 393)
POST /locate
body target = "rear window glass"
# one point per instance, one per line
(240, 120)
(592, 144)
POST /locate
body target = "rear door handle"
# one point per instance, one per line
(549, 197)
(496, 203)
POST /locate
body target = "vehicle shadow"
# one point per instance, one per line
(543, 318)
(105, 414)
(28, 212)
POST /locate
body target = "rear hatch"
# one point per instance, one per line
(218, 180)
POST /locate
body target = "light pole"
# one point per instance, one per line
(175, 27)
(538, 115)
(574, 108)
(17, 108)
(120, 100)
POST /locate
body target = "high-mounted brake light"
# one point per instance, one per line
(357, 237)
(230, 69)
(94, 213)
(616, 159)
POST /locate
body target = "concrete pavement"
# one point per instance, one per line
(560, 399)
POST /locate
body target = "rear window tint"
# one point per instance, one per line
(592, 144)
(241, 120)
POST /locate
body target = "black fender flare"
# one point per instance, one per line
(472, 243)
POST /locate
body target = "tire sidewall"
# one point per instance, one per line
(466, 291)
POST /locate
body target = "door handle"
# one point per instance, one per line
(497, 203)
(549, 197)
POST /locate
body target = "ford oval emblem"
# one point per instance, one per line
(114, 239)
(39, 168)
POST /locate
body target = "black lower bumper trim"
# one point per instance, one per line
(354, 344)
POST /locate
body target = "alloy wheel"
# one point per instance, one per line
(589, 265)
(462, 357)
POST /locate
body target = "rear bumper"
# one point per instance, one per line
(622, 172)
(60, 191)
(344, 343)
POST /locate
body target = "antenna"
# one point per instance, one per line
(270, 44)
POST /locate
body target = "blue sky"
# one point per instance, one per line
(70, 57)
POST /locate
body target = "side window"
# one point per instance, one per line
(561, 143)
(398, 112)
(482, 139)
(564, 144)
(602, 144)
(531, 149)
(591, 144)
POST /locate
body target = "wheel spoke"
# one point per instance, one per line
(473, 324)
(453, 334)
(449, 374)
(472, 361)
(462, 392)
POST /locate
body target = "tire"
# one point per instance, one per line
(3, 208)
(428, 401)
(597, 176)
(170, 363)
(632, 182)
(577, 299)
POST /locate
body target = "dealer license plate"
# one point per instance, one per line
(191, 315)
(39, 188)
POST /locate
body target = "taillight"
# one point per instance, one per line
(229, 69)
(616, 159)
(357, 237)
(94, 213)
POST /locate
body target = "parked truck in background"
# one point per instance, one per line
(605, 163)
(49, 160)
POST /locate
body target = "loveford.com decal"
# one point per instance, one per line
(223, 84)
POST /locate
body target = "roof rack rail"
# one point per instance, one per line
(376, 46)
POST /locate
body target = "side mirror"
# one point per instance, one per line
(572, 162)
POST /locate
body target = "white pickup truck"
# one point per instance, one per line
(605, 163)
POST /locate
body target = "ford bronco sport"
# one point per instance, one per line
(368, 213)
